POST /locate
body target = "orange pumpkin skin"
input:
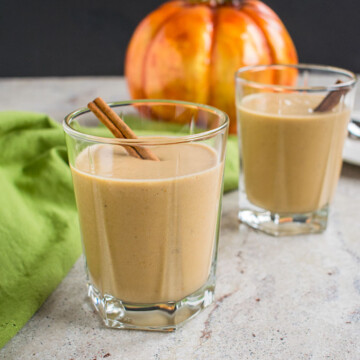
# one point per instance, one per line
(188, 50)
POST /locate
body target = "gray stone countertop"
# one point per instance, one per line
(276, 298)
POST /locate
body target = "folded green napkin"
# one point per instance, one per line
(39, 233)
(231, 176)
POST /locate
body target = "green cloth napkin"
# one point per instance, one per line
(39, 232)
(231, 176)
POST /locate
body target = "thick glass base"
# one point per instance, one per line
(285, 224)
(153, 317)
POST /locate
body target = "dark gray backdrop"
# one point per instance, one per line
(89, 37)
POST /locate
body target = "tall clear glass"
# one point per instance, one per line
(149, 228)
(290, 145)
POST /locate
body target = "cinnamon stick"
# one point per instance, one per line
(119, 128)
(331, 99)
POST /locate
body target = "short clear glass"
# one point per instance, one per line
(149, 228)
(290, 146)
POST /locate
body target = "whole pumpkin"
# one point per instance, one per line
(190, 50)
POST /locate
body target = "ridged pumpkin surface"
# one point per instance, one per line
(190, 51)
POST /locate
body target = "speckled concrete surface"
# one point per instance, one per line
(57, 97)
(276, 298)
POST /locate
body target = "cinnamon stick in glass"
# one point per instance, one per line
(119, 129)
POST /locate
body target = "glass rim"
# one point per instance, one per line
(149, 140)
(324, 68)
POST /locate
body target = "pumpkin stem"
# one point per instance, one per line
(215, 3)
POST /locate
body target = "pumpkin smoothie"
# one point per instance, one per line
(148, 227)
(291, 155)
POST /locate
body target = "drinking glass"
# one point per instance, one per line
(149, 228)
(292, 123)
